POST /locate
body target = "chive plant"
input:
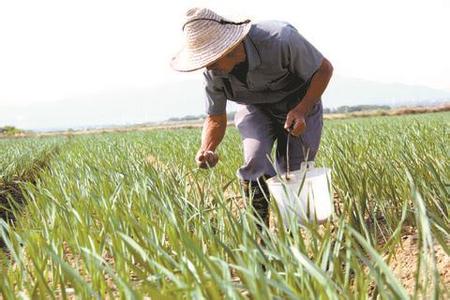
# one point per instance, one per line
(104, 221)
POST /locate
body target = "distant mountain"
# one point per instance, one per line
(123, 107)
(133, 106)
(350, 91)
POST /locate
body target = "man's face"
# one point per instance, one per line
(227, 62)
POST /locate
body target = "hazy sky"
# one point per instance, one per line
(53, 50)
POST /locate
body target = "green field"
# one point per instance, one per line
(129, 215)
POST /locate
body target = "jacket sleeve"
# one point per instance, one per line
(216, 100)
(303, 59)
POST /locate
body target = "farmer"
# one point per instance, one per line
(274, 75)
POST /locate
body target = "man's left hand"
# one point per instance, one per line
(295, 122)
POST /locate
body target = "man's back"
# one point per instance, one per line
(279, 60)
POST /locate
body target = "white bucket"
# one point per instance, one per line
(305, 197)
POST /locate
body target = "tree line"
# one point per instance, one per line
(338, 110)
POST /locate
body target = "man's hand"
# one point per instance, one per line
(295, 119)
(295, 122)
(206, 159)
(213, 131)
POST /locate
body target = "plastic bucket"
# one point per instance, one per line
(305, 197)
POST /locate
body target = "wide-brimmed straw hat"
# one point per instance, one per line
(208, 37)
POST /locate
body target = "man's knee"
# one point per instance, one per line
(255, 167)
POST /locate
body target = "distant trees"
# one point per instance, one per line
(338, 110)
(230, 117)
(187, 118)
(349, 109)
(10, 130)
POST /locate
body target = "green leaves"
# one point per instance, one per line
(103, 220)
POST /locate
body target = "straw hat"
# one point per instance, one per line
(208, 37)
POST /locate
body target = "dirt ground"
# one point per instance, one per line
(13, 190)
(404, 263)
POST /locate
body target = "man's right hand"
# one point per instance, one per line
(206, 159)
(213, 131)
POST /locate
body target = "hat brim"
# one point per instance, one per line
(188, 60)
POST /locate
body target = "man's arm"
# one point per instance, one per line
(213, 132)
(296, 117)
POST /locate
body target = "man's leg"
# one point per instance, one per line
(257, 193)
(256, 129)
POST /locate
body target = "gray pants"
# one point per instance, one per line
(260, 125)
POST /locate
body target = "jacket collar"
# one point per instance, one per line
(253, 57)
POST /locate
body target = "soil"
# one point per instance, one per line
(11, 196)
(404, 263)
(13, 190)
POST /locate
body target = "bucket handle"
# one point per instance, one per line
(287, 152)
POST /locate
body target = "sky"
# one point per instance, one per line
(55, 50)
